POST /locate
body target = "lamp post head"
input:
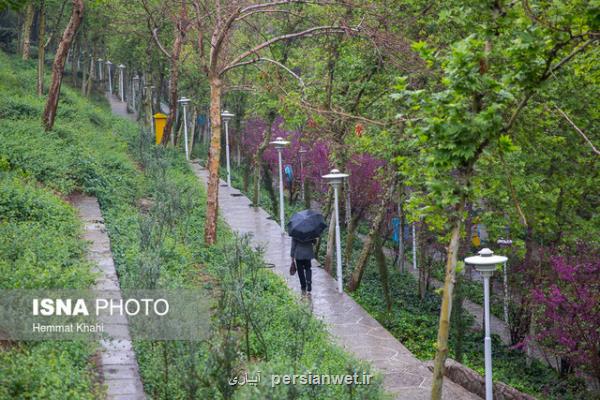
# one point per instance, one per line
(227, 116)
(184, 101)
(121, 66)
(100, 60)
(302, 150)
(335, 177)
(108, 63)
(486, 261)
(136, 78)
(279, 143)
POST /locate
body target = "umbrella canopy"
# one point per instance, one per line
(306, 225)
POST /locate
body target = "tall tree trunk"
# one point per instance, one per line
(214, 153)
(59, 64)
(307, 193)
(41, 49)
(348, 205)
(350, 235)
(444, 325)
(173, 78)
(376, 227)
(268, 183)
(83, 75)
(383, 273)
(327, 214)
(26, 33)
(90, 81)
(75, 50)
(192, 131)
(258, 159)
(401, 247)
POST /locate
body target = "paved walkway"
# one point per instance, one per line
(351, 326)
(119, 108)
(118, 364)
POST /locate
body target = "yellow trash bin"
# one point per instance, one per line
(160, 120)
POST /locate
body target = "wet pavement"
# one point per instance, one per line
(350, 325)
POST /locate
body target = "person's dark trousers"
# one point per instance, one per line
(304, 274)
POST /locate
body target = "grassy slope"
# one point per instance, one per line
(157, 246)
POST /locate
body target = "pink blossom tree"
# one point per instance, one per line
(566, 304)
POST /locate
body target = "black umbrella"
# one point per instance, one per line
(306, 225)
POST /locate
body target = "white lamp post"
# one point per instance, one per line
(485, 263)
(121, 82)
(226, 116)
(280, 144)
(149, 90)
(108, 64)
(302, 151)
(100, 74)
(335, 179)
(136, 80)
(184, 101)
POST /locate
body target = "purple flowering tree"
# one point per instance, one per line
(566, 304)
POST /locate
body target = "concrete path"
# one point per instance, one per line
(351, 326)
(119, 108)
(118, 364)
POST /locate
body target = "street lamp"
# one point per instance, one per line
(485, 263)
(302, 151)
(121, 82)
(108, 64)
(148, 93)
(136, 80)
(280, 144)
(100, 74)
(184, 101)
(335, 179)
(226, 116)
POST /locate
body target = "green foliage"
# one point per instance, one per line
(40, 246)
(48, 370)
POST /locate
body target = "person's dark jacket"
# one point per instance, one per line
(302, 250)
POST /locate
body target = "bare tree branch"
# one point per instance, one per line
(259, 59)
(318, 30)
(567, 58)
(268, 11)
(544, 77)
(255, 7)
(583, 135)
(158, 43)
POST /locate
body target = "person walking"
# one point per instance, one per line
(302, 254)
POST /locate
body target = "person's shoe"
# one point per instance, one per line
(308, 288)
